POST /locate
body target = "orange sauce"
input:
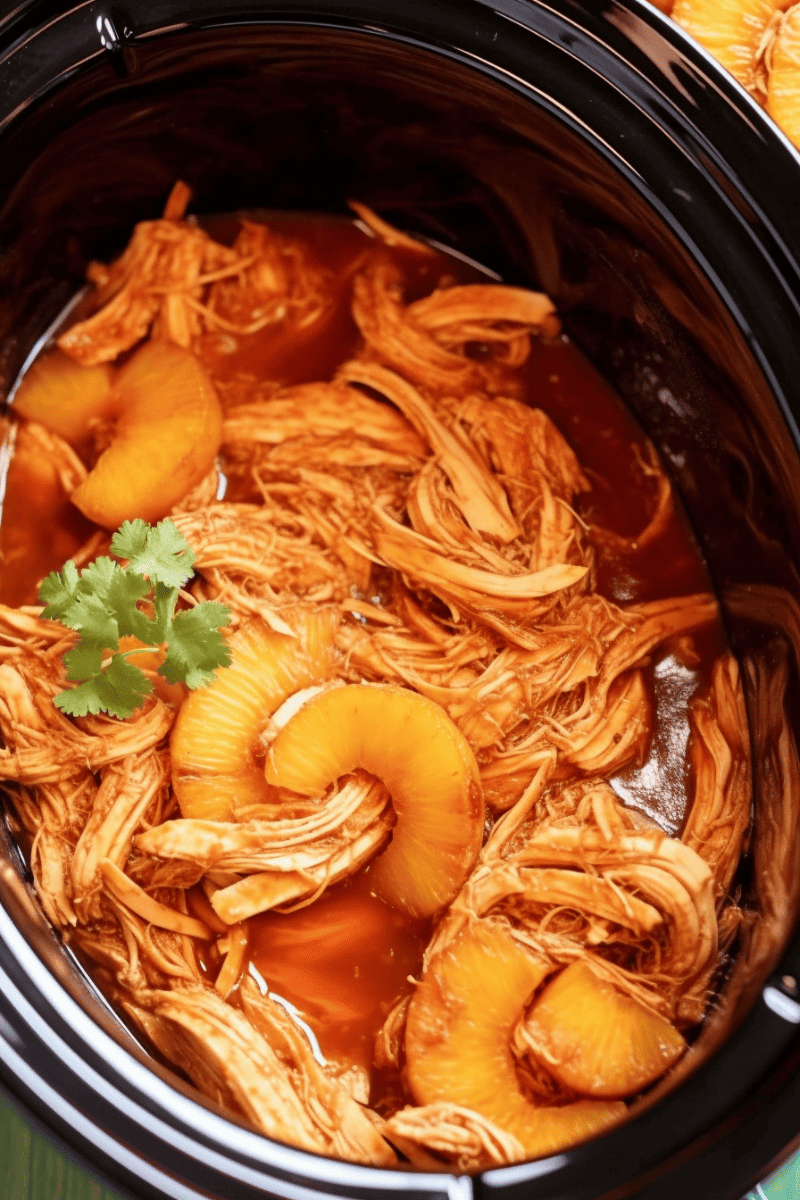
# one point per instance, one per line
(606, 439)
(292, 355)
(40, 529)
(342, 962)
(282, 351)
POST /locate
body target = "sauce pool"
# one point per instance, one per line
(342, 963)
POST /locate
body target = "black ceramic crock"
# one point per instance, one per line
(585, 148)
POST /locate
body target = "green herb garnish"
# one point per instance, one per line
(108, 601)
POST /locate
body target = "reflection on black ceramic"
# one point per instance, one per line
(581, 148)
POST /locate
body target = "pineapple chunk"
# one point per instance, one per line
(64, 396)
(216, 735)
(458, 1035)
(168, 431)
(410, 744)
(597, 1041)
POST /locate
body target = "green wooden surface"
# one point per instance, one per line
(31, 1169)
(783, 1185)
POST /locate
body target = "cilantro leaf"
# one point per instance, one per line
(89, 615)
(162, 554)
(58, 591)
(104, 604)
(107, 601)
(84, 660)
(194, 645)
(118, 690)
(130, 540)
(80, 701)
(96, 579)
(164, 601)
(124, 591)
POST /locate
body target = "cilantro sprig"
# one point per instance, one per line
(108, 601)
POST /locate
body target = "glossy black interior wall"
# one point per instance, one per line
(500, 131)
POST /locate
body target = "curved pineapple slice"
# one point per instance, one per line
(216, 735)
(64, 396)
(410, 744)
(783, 86)
(168, 431)
(458, 1034)
(597, 1041)
(731, 30)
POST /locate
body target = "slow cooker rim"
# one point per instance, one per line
(771, 223)
(793, 957)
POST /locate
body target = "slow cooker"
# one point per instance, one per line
(586, 148)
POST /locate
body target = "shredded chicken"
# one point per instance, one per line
(588, 881)
(720, 756)
(251, 554)
(413, 523)
(425, 342)
(284, 859)
(42, 745)
(465, 1140)
(351, 1132)
(127, 791)
(157, 280)
(176, 282)
(231, 1060)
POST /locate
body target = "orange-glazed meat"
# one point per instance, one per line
(410, 875)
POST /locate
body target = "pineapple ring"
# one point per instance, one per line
(409, 743)
(168, 431)
(458, 1035)
(731, 30)
(597, 1041)
(783, 87)
(217, 731)
(64, 396)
